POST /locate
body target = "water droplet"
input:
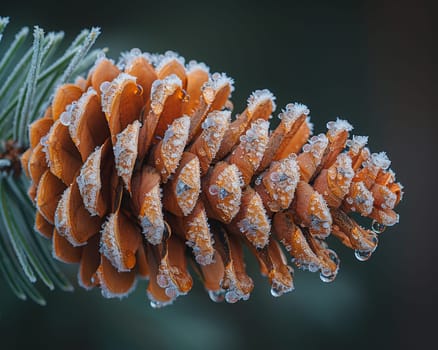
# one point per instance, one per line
(275, 291)
(163, 281)
(362, 255)
(171, 292)
(216, 295)
(313, 267)
(377, 227)
(104, 87)
(135, 51)
(65, 118)
(327, 278)
(155, 304)
(139, 90)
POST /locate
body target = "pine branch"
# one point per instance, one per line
(28, 79)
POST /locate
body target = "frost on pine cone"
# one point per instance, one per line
(142, 159)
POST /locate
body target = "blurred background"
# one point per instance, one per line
(373, 63)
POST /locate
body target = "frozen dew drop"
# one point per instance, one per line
(362, 255)
(171, 292)
(377, 227)
(155, 304)
(275, 292)
(330, 125)
(65, 118)
(327, 278)
(135, 51)
(216, 295)
(163, 281)
(289, 106)
(104, 87)
(313, 267)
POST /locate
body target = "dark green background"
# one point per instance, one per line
(373, 63)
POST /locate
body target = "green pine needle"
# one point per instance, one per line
(29, 77)
(19, 40)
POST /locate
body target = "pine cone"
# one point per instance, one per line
(141, 159)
